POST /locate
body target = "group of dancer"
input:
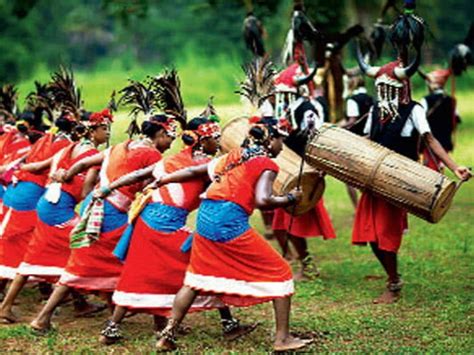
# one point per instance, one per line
(131, 243)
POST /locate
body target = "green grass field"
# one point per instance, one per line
(434, 315)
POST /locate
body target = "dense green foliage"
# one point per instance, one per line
(86, 33)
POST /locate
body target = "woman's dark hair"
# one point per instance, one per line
(192, 126)
(28, 117)
(85, 115)
(64, 124)
(258, 133)
(34, 136)
(80, 130)
(150, 127)
(22, 128)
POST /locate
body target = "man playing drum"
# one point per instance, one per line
(396, 122)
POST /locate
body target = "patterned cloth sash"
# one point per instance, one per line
(221, 221)
(157, 216)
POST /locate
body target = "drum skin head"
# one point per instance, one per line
(312, 185)
(443, 203)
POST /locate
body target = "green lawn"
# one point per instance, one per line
(434, 315)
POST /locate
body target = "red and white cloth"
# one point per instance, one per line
(314, 223)
(155, 266)
(94, 267)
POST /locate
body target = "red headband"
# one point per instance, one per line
(103, 117)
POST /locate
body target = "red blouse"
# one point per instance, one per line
(238, 184)
(43, 149)
(123, 160)
(64, 161)
(186, 194)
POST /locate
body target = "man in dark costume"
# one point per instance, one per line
(358, 105)
(396, 122)
(441, 114)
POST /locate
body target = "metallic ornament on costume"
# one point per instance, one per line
(392, 83)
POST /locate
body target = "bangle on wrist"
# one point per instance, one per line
(106, 190)
(291, 198)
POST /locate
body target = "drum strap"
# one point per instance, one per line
(377, 164)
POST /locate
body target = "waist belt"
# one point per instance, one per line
(221, 221)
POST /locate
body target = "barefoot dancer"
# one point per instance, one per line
(22, 195)
(93, 267)
(228, 258)
(441, 114)
(48, 250)
(311, 224)
(295, 97)
(157, 258)
(396, 122)
(14, 145)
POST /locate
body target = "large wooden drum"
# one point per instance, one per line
(312, 184)
(367, 165)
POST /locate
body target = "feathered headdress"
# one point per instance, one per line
(210, 111)
(166, 90)
(41, 100)
(8, 100)
(65, 92)
(460, 57)
(112, 105)
(139, 97)
(408, 29)
(156, 94)
(259, 81)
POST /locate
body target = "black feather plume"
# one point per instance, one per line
(139, 98)
(65, 92)
(41, 100)
(166, 90)
(408, 30)
(210, 111)
(253, 32)
(377, 40)
(112, 105)
(8, 100)
(469, 40)
(460, 57)
(259, 81)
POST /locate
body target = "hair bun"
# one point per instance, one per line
(190, 137)
(257, 132)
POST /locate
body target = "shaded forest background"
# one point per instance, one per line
(108, 41)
